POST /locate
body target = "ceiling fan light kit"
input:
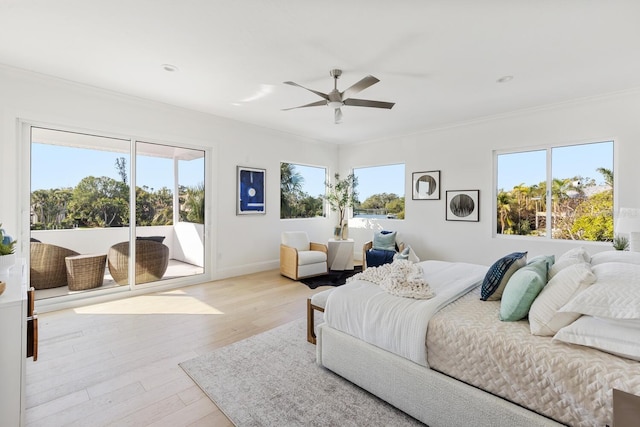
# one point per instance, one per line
(336, 99)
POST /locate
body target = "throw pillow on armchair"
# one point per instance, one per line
(383, 248)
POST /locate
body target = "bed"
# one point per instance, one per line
(475, 369)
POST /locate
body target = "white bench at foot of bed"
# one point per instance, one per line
(431, 397)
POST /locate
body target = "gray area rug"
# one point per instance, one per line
(272, 379)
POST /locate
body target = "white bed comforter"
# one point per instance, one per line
(399, 325)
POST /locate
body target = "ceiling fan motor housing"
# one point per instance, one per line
(335, 97)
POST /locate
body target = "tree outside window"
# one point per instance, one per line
(301, 191)
(574, 203)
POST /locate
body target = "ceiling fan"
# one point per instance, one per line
(336, 99)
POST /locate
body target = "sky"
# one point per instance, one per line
(567, 162)
(55, 166)
(371, 180)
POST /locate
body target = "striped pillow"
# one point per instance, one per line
(498, 275)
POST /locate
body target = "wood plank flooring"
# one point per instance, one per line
(116, 363)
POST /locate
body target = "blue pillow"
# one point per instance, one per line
(499, 274)
(377, 257)
(522, 289)
(158, 239)
(384, 240)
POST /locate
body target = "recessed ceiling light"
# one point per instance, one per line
(504, 79)
(170, 68)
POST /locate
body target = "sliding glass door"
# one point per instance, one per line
(170, 208)
(86, 192)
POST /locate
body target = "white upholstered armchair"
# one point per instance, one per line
(301, 258)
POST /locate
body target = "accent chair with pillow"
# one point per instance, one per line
(300, 257)
(383, 249)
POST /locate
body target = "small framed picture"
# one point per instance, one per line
(251, 191)
(463, 205)
(425, 185)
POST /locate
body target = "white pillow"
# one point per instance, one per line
(579, 253)
(615, 256)
(615, 295)
(296, 239)
(619, 337)
(544, 318)
(572, 256)
(562, 264)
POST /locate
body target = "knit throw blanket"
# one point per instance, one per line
(401, 278)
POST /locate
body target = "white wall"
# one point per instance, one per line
(464, 156)
(244, 244)
(237, 244)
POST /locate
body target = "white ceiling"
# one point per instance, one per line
(438, 60)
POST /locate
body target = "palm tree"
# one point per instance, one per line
(608, 176)
(50, 206)
(194, 203)
(290, 189)
(504, 209)
(522, 193)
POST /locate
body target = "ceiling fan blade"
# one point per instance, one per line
(313, 104)
(359, 86)
(338, 116)
(367, 103)
(320, 94)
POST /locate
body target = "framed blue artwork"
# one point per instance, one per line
(251, 191)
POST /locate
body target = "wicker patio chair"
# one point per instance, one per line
(48, 268)
(152, 259)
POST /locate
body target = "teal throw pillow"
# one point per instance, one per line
(550, 259)
(404, 254)
(384, 240)
(499, 274)
(522, 289)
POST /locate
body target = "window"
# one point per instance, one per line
(563, 192)
(301, 191)
(380, 192)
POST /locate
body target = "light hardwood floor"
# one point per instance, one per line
(116, 363)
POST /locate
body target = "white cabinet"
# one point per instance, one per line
(13, 347)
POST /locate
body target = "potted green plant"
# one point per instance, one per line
(620, 243)
(342, 195)
(7, 252)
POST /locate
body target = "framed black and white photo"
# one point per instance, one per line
(463, 205)
(251, 191)
(425, 185)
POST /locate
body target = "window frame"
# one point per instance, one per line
(548, 148)
(325, 208)
(402, 196)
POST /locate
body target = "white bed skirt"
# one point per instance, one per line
(431, 397)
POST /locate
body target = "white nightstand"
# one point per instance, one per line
(340, 254)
